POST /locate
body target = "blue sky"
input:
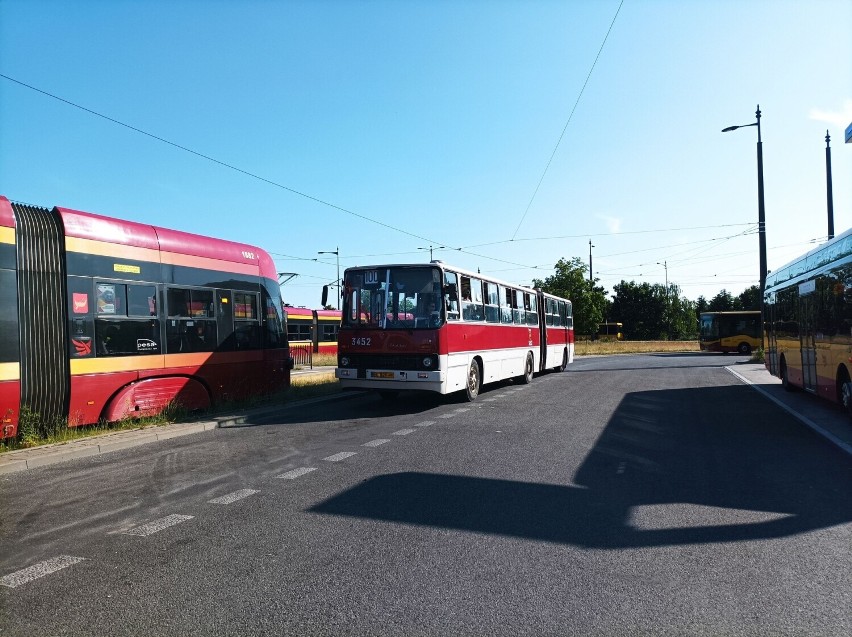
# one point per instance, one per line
(500, 130)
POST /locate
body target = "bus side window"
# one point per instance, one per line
(451, 295)
(518, 316)
(505, 305)
(492, 303)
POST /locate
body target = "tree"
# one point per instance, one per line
(589, 302)
(749, 299)
(722, 302)
(653, 312)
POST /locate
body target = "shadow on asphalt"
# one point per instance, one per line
(742, 468)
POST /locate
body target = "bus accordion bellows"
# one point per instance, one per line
(808, 321)
(437, 328)
(726, 332)
(105, 319)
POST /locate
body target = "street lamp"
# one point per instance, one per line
(335, 252)
(761, 212)
(667, 276)
(591, 282)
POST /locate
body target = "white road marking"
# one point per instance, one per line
(425, 423)
(41, 569)
(296, 473)
(462, 410)
(340, 456)
(446, 416)
(376, 443)
(156, 526)
(233, 497)
(403, 432)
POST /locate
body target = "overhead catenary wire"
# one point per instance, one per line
(570, 115)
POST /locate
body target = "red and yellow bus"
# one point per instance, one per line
(729, 331)
(808, 321)
(106, 319)
(442, 329)
(313, 329)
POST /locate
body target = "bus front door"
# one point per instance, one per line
(808, 343)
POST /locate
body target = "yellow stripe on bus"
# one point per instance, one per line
(206, 263)
(7, 235)
(106, 249)
(118, 364)
(10, 371)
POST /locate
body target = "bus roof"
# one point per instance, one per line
(838, 248)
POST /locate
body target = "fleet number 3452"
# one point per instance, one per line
(362, 341)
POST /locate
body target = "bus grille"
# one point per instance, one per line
(407, 362)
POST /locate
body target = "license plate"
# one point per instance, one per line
(381, 375)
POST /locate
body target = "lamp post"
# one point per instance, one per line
(828, 195)
(591, 281)
(336, 253)
(761, 212)
(665, 265)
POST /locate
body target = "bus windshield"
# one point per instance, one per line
(396, 297)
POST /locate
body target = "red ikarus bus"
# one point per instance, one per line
(104, 319)
(442, 329)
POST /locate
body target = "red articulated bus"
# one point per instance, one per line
(439, 328)
(106, 319)
(313, 329)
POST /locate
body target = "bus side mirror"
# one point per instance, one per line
(324, 295)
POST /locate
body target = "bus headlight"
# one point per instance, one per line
(427, 362)
(344, 361)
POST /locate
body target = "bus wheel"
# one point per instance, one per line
(473, 381)
(845, 392)
(785, 378)
(526, 379)
(744, 349)
(564, 365)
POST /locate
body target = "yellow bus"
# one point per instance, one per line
(729, 331)
(610, 332)
(808, 319)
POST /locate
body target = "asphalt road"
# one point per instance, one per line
(652, 494)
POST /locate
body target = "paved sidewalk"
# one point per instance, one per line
(825, 418)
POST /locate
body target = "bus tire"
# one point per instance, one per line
(564, 365)
(474, 381)
(785, 377)
(527, 376)
(744, 349)
(844, 387)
